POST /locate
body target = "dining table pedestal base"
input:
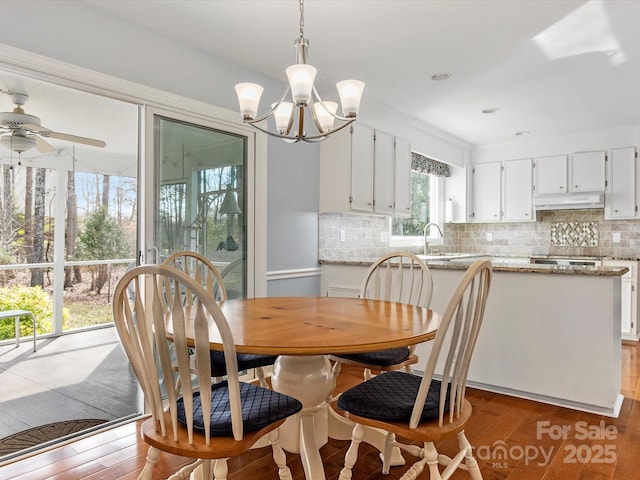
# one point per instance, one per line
(309, 379)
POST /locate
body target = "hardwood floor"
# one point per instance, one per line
(592, 448)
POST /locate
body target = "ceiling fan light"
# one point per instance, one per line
(350, 92)
(282, 115)
(17, 143)
(249, 98)
(301, 77)
(325, 115)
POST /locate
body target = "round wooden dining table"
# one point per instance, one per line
(302, 331)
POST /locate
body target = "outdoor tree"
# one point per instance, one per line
(37, 274)
(8, 224)
(28, 214)
(101, 239)
(71, 274)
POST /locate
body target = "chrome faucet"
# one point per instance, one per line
(426, 234)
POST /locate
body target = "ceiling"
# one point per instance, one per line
(552, 68)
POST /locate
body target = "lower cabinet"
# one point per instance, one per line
(342, 280)
(629, 298)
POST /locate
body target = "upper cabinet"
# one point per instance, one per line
(486, 192)
(502, 191)
(551, 175)
(402, 190)
(517, 190)
(620, 198)
(587, 172)
(365, 170)
(582, 172)
(357, 165)
(383, 172)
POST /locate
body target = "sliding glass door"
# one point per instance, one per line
(201, 195)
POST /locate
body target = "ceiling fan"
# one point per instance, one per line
(24, 131)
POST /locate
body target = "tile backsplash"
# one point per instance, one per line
(575, 234)
(561, 232)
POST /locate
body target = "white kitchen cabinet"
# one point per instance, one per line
(551, 175)
(620, 197)
(582, 172)
(402, 190)
(587, 172)
(628, 298)
(346, 170)
(517, 190)
(383, 173)
(362, 154)
(502, 191)
(486, 192)
(362, 170)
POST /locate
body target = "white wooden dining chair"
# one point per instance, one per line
(192, 417)
(397, 277)
(203, 271)
(430, 408)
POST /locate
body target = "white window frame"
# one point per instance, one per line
(436, 209)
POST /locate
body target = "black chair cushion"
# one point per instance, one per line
(390, 397)
(245, 361)
(383, 358)
(260, 407)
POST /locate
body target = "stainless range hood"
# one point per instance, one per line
(569, 201)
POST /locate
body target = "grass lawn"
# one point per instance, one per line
(83, 314)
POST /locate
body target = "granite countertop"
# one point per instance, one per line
(504, 266)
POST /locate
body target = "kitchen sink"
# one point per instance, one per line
(447, 256)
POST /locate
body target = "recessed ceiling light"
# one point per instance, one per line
(491, 110)
(523, 132)
(438, 77)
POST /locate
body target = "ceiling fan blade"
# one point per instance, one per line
(74, 138)
(33, 128)
(43, 146)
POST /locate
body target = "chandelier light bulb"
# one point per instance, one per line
(325, 118)
(350, 92)
(301, 77)
(282, 114)
(249, 98)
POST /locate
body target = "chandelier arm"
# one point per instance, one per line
(314, 116)
(338, 117)
(269, 132)
(322, 136)
(273, 109)
(309, 139)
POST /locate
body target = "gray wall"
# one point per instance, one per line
(84, 36)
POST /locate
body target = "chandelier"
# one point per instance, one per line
(305, 100)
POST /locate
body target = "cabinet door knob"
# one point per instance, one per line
(561, 188)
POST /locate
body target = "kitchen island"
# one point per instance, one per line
(550, 333)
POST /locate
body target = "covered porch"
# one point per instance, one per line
(82, 375)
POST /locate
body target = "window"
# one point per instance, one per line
(426, 191)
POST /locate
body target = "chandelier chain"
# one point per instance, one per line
(301, 18)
